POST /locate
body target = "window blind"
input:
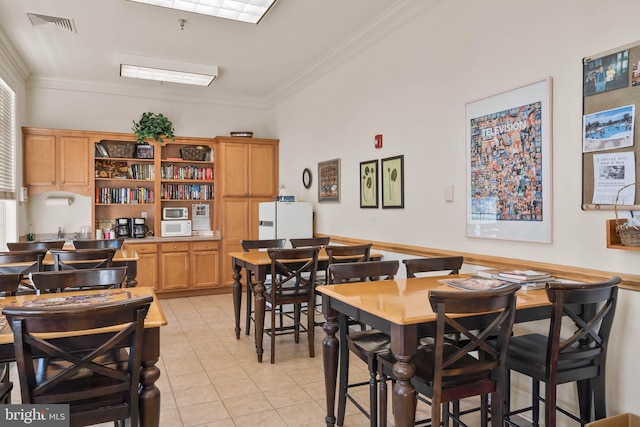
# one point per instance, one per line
(7, 151)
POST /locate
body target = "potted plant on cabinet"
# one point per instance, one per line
(151, 125)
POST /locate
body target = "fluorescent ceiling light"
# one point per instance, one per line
(164, 70)
(250, 11)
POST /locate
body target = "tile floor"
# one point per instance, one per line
(209, 378)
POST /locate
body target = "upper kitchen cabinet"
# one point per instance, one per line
(57, 161)
(250, 166)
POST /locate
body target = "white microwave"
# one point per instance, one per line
(170, 214)
(175, 228)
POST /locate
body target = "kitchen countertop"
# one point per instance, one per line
(156, 239)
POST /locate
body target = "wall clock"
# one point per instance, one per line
(306, 178)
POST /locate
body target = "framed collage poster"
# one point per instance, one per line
(392, 170)
(329, 181)
(369, 184)
(509, 164)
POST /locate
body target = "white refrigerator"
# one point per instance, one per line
(285, 220)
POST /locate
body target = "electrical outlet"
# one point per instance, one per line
(144, 215)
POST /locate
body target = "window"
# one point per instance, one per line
(7, 142)
(7, 164)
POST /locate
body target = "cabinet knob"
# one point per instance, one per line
(175, 246)
(206, 245)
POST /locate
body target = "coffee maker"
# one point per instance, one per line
(138, 228)
(123, 228)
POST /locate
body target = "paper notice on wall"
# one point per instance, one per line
(611, 172)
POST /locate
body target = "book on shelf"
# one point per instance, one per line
(474, 283)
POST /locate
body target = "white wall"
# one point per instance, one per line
(412, 87)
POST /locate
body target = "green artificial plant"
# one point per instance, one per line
(152, 125)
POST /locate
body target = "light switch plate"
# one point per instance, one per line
(448, 193)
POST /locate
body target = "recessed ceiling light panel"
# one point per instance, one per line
(251, 11)
(164, 70)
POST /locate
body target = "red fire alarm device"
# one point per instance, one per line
(378, 141)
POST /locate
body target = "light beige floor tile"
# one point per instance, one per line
(304, 414)
(195, 395)
(228, 390)
(225, 375)
(169, 418)
(288, 396)
(262, 419)
(247, 404)
(181, 382)
(203, 413)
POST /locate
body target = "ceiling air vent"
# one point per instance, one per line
(53, 22)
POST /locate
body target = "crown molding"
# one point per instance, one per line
(16, 65)
(161, 92)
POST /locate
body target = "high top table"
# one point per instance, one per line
(258, 262)
(401, 309)
(149, 393)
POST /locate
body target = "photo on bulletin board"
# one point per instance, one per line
(509, 164)
(606, 73)
(604, 130)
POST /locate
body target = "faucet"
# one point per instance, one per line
(59, 232)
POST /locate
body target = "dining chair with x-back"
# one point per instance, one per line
(446, 372)
(82, 258)
(96, 392)
(366, 343)
(293, 282)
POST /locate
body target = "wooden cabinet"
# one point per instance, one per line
(55, 161)
(174, 266)
(147, 264)
(250, 167)
(205, 264)
(246, 174)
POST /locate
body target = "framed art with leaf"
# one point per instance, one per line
(369, 184)
(392, 170)
(329, 181)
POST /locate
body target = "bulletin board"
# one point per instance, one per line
(610, 129)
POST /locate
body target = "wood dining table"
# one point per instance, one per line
(149, 395)
(401, 309)
(258, 263)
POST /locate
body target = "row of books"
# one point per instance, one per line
(187, 191)
(186, 172)
(142, 171)
(124, 195)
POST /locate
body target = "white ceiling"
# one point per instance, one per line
(256, 62)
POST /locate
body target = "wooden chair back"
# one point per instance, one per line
(310, 242)
(82, 258)
(362, 271)
(479, 366)
(96, 392)
(31, 260)
(348, 253)
(453, 264)
(248, 245)
(93, 278)
(9, 283)
(293, 281)
(581, 342)
(33, 246)
(98, 244)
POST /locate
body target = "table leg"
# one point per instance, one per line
(403, 346)
(260, 306)
(149, 373)
(330, 348)
(237, 295)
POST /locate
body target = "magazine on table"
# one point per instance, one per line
(474, 283)
(538, 283)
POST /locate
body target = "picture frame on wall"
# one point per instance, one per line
(392, 172)
(329, 181)
(509, 164)
(369, 184)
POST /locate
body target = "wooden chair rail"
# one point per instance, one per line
(629, 281)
